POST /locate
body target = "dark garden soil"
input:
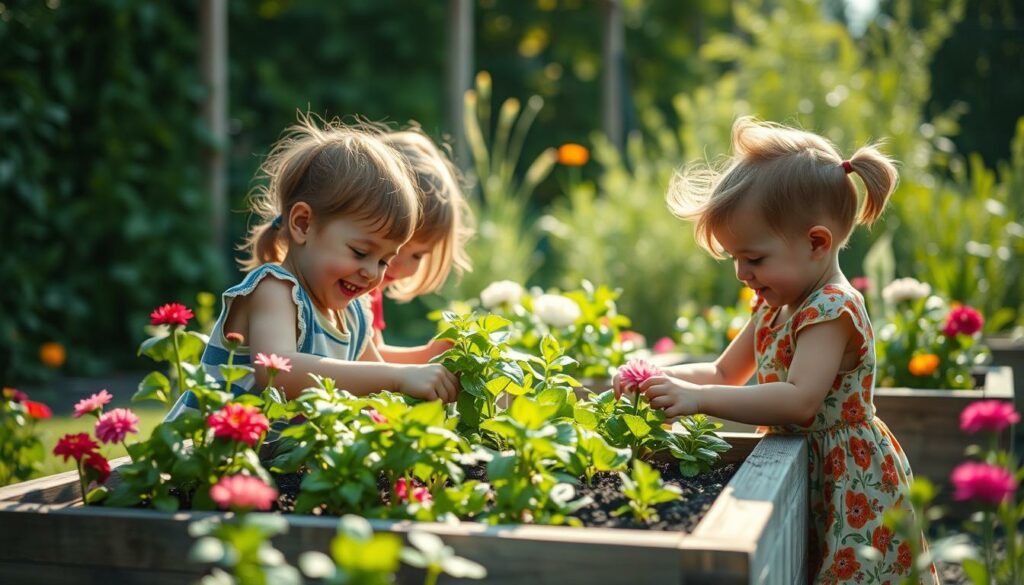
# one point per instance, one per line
(606, 491)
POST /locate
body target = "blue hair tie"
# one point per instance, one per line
(276, 223)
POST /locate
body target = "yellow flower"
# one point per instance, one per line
(923, 364)
(746, 294)
(52, 354)
(573, 155)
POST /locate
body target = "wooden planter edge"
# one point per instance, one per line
(728, 546)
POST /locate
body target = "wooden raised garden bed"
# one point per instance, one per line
(754, 533)
(927, 423)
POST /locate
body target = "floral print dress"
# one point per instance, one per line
(857, 468)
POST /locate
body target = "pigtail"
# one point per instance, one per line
(878, 172)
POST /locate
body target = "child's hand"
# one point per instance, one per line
(429, 382)
(620, 387)
(674, 396)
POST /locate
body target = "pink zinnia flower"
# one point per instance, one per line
(171, 314)
(239, 422)
(92, 403)
(243, 492)
(75, 445)
(99, 465)
(274, 362)
(419, 493)
(664, 345)
(37, 409)
(15, 395)
(636, 371)
(861, 283)
(983, 482)
(114, 425)
(963, 320)
(988, 415)
(376, 416)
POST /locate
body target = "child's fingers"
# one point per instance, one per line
(661, 402)
(652, 381)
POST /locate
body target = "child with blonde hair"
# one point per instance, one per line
(338, 206)
(437, 246)
(781, 211)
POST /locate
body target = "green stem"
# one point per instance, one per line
(432, 574)
(989, 543)
(81, 480)
(177, 363)
(123, 443)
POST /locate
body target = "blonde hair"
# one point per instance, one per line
(338, 170)
(445, 218)
(794, 177)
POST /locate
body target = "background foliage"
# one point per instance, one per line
(100, 163)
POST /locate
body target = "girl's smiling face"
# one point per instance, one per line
(781, 271)
(408, 260)
(340, 259)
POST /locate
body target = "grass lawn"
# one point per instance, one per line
(59, 425)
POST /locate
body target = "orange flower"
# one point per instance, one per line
(881, 538)
(52, 354)
(858, 510)
(732, 333)
(845, 563)
(861, 451)
(923, 364)
(573, 155)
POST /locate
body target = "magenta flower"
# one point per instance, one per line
(243, 492)
(239, 422)
(636, 371)
(419, 493)
(76, 445)
(963, 320)
(988, 415)
(273, 362)
(664, 345)
(861, 283)
(376, 416)
(171, 314)
(981, 481)
(93, 403)
(114, 425)
(99, 466)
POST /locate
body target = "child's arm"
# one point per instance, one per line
(733, 367)
(817, 360)
(419, 354)
(272, 317)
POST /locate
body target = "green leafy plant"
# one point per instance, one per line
(183, 458)
(526, 487)
(21, 450)
(645, 488)
(240, 547)
(926, 343)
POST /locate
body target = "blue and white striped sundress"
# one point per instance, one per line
(317, 336)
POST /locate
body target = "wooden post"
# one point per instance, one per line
(213, 24)
(612, 49)
(460, 72)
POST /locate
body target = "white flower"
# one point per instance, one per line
(501, 292)
(905, 289)
(556, 310)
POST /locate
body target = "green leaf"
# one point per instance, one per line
(234, 373)
(154, 386)
(637, 425)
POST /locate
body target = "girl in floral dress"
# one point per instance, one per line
(781, 211)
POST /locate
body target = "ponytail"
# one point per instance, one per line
(878, 172)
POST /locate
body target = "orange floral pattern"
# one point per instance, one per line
(857, 468)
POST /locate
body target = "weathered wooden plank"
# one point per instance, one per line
(763, 511)
(129, 542)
